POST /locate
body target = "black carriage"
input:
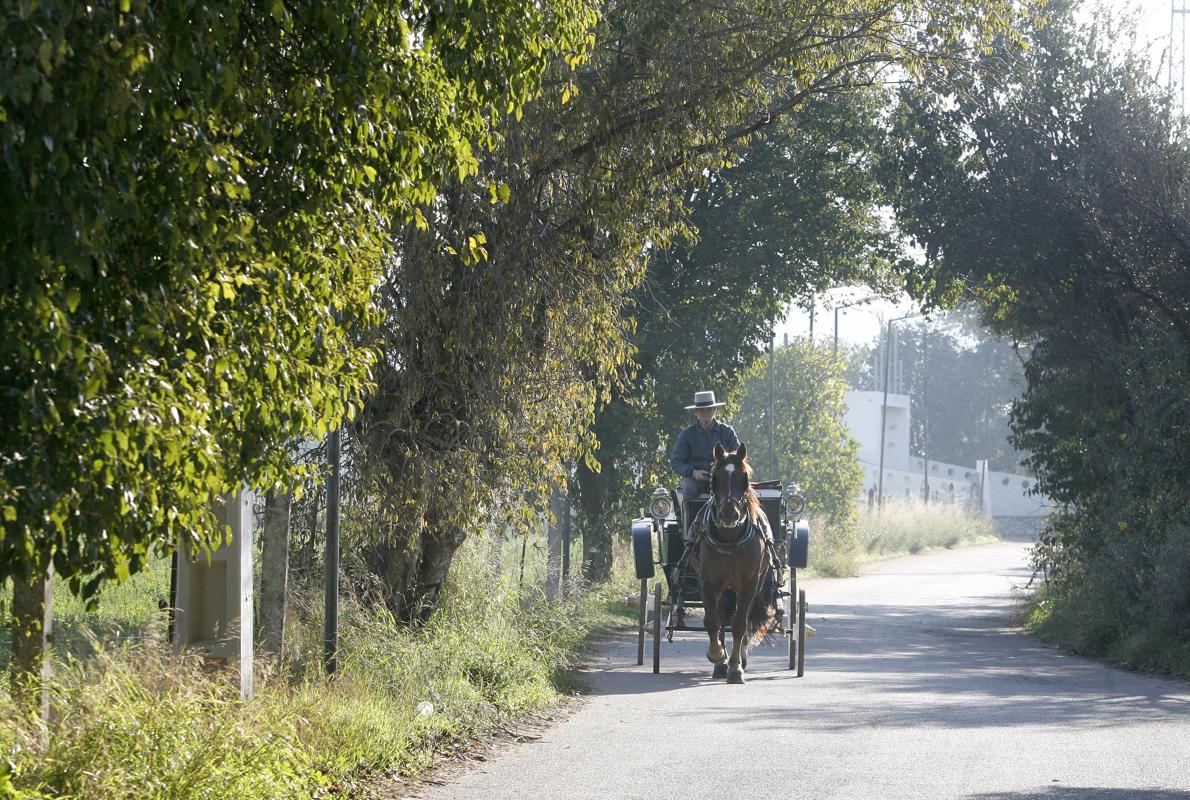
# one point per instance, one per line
(658, 541)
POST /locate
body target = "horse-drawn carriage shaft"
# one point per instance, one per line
(732, 566)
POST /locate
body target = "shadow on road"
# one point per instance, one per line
(1085, 793)
(950, 666)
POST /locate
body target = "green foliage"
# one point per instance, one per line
(132, 722)
(794, 213)
(811, 446)
(195, 198)
(1061, 199)
(130, 608)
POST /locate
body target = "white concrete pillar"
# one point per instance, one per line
(214, 613)
(985, 486)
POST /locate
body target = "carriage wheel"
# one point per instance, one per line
(657, 628)
(801, 633)
(789, 621)
(640, 644)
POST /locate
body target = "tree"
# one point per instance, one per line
(810, 444)
(1059, 199)
(795, 215)
(195, 200)
(508, 321)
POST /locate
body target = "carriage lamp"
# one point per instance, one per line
(661, 504)
(795, 501)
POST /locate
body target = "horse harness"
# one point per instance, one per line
(702, 528)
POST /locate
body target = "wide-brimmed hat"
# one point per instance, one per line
(704, 400)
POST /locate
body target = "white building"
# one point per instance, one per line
(907, 478)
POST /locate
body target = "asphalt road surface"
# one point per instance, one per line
(916, 686)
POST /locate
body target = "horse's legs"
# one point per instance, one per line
(715, 652)
(739, 632)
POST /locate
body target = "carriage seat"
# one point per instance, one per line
(690, 507)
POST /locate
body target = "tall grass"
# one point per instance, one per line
(131, 721)
(899, 529)
(126, 610)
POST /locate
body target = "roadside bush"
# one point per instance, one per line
(131, 721)
(134, 723)
(1127, 600)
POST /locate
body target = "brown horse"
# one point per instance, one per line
(732, 555)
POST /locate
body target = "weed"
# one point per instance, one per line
(897, 529)
(130, 720)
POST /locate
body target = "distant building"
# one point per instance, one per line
(906, 477)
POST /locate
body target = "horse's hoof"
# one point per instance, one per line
(735, 676)
(720, 672)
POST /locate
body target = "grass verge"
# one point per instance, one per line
(1075, 623)
(899, 529)
(130, 721)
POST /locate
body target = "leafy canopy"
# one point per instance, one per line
(196, 197)
(1059, 197)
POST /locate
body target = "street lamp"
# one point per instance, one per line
(884, 408)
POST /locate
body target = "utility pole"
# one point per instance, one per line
(839, 308)
(772, 448)
(330, 638)
(884, 408)
(925, 410)
(1176, 81)
(566, 533)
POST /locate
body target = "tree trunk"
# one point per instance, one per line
(554, 533)
(32, 618)
(274, 572)
(437, 554)
(413, 572)
(594, 495)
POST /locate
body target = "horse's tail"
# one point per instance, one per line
(762, 617)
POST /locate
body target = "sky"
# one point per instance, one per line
(862, 323)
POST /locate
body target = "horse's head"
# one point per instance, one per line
(731, 487)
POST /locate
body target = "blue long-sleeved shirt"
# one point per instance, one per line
(694, 447)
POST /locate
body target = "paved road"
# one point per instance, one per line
(915, 687)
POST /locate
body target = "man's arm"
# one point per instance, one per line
(679, 459)
(730, 440)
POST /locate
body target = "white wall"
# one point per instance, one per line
(1004, 494)
(897, 482)
(1009, 496)
(862, 418)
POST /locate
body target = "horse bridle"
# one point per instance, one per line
(737, 505)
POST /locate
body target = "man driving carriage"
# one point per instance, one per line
(692, 452)
(692, 456)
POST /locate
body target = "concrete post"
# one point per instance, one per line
(214, 613)
(554, 537)
(985, 487)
